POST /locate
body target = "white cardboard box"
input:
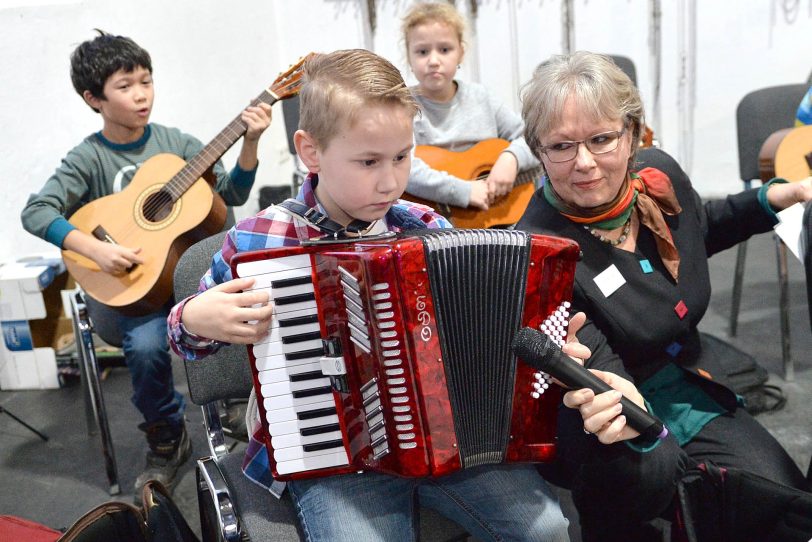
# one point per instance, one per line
(24, 364)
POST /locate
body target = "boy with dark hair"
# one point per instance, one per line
(355, 137)
(113, 75)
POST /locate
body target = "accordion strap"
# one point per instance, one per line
(321, 221)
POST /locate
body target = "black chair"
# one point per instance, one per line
(759, 114)
(807, 239)
(232, 507)
(290, 112)
(807, 236)
(627, 65)
(89, 317)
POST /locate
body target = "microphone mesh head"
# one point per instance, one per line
(530, 344)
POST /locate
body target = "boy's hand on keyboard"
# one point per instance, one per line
(226, 313)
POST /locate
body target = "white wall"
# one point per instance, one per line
(211, 58)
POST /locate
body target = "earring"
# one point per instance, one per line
(459, 66)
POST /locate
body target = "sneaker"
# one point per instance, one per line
(168, 451)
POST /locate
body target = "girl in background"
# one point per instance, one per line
(456, 114)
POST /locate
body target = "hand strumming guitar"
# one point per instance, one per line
(502, 176)
(110, 257)
(479, 195)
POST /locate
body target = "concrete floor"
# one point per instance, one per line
(55, 482)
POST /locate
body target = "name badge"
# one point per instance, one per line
(609, 280)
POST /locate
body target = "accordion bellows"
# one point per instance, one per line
(394, 355)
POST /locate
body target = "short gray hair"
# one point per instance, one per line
(603, 91)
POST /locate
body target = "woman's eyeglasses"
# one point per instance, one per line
(564, 151)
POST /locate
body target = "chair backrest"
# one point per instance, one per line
(226, 374)
(759, 114)
(627, 65)
(807, 239)
(105, 321)
(290, 111)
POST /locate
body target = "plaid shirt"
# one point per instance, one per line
(273, 228)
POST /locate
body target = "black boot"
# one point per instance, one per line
(169, 448)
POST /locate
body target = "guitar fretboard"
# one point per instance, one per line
(218, 146)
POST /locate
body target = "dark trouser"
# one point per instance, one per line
(618, 490)
(146, 351)
(738, 440)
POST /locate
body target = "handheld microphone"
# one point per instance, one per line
(537, 350)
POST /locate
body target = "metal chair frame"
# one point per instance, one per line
(227, 500)
(759, 114)
(95, 411)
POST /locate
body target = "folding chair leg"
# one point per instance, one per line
(738, 279)
(89, 369)
(783, 305)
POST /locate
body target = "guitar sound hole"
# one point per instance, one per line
(158, 206)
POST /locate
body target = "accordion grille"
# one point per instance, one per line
(478, 285)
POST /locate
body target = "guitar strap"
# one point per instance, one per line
(321, 221)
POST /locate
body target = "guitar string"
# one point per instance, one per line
(187, 176)
(288, 82)
(184, 179)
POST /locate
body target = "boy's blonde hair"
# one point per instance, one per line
(429, 12)
(338, 85)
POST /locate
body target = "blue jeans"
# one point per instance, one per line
(146, 352)
(493, 502)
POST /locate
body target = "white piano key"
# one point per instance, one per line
(265, 281)
(281, 311)
(288, 401)
(297, 439)
(335, 458)
(277, 320)
(279, 375)
(277, 348)
(288, 387)
(295, 426)
(286, 414)
(277, 333)
(265, 363)
(274, 265)
(298, 452)
(296, 289)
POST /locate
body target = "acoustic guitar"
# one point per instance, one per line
(167, 207)
(474, 164)
(787, 154)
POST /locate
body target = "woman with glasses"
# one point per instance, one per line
(643, 280)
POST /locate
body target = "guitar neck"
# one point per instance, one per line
(217, 147)
(527, 176)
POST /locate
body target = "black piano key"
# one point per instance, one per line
(293, 281)
(299, 321)
(301, 377)
(302, 337)
(316, 413)
(326, 445)
(298, 394)
(304, 354)
(296, 298)
(319, 429)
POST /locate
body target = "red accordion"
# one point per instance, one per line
(393, 354)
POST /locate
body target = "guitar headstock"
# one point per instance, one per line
(289, 82)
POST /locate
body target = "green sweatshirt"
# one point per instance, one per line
(98, 167)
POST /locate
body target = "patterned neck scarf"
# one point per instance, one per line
(650, 192)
